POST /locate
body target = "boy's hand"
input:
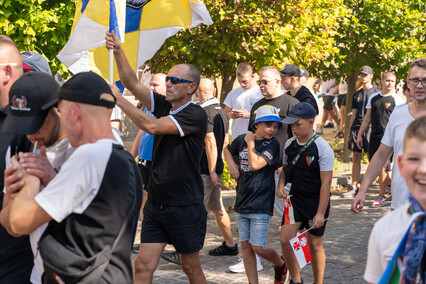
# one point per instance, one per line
(249, 137)
(280, 192)
(318, 221)
(234, 171)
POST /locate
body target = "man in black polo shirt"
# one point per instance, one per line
(16, 258)
(359, 104)
(174, 212)
(290, 79)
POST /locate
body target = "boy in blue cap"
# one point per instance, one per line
(251, 158)
(308, 165)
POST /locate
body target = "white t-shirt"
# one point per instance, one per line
(57, 155)
(237, 99)
(328, 84)
(384, 239)
(394, 137)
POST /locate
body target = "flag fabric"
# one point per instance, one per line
(300, 247)
(148, 25)
(91, 21)
(288, 211)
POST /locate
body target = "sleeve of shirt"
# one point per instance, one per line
(285, 157)
(374, 260)
(228, 99)
(210, 124)
(78, 182)
(252, 117)
(271, 152)
(368, 106)
(190, 120)
(326, 156)
(389, 135)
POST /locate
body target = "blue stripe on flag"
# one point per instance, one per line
(83, 5)
(133, 19)
(113, 22)
(120, 86)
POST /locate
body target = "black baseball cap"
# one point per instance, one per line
(30, 98)
(290, 70)
(366, 70)
(299, 111)
(87, 88)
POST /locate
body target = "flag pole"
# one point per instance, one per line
(111, 67)
(311, 227)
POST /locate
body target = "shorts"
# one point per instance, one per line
(305, 217)
(341, 100)
(253, 228)
(328, 102)
(212, 194)
(365, 141)
(145, 170)
(182, 226)
(374, 145)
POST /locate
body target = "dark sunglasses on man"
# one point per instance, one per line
(177, 80)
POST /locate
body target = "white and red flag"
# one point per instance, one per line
(301, 250)
(288, 211)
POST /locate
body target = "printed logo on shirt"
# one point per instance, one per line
(358, 99)
(243, 159)
(309, 160)
(268, 155)
(387, 105)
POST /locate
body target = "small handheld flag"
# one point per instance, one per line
(300, 247)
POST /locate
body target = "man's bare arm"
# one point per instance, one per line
(375, 166)
(126, 73)
(211, 153)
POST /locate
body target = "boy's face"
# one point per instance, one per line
(388, 83)
(412, 166)
(266, 130)
(303, 127)
(245, 80)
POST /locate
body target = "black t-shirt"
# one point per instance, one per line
(381, 109)
(175, 176)
(16, 257)
(255, 189)
(284, 104)
(218, 123)
(359, 102)
(306, 177)
(304, 95)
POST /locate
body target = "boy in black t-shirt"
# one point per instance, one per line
(251, 159)
(308, 165)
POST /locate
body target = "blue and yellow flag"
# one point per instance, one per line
(92, 19)
(148, 25)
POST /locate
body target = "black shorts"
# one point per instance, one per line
(145, 170)
(182, 226)
(305, 216)
(328, 102)
(341, 100)
(365, 141)
(374, 145)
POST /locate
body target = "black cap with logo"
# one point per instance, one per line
(30, 99)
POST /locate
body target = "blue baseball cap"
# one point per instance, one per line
(267, 113)
(301, 110)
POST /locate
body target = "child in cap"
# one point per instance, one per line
(251, 158)
(396, 249)
(308, 165)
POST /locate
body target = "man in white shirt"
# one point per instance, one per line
(239, 101)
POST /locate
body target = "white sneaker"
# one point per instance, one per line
(239, 267)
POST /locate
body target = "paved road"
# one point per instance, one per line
(345, 243)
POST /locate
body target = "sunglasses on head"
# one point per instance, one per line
(177, 80)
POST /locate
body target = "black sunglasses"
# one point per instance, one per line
(263, 82)
(177, 80)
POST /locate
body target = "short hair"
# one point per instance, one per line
(244, 68)
(274, 70)
(405, 87)
(388, 73)
(7, 41)
(421, 62)
(193, 73)
(417, 130)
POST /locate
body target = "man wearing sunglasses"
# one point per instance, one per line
(174, 212)
(392, 140)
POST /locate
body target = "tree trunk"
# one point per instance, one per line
(352, 78)
(227, 84)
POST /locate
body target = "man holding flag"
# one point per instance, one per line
(174, 212)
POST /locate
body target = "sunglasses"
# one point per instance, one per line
(263, 82)
(177, 80)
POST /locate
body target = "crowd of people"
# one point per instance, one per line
(72, 194)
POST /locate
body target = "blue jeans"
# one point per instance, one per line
(253, 228)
